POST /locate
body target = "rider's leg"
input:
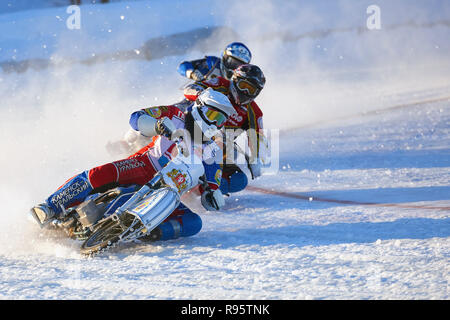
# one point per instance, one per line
(181, 223)
(137, 170)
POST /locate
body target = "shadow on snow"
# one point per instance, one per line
(335, 233)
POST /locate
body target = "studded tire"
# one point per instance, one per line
(105, 236)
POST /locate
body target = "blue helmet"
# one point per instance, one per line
(234, 55)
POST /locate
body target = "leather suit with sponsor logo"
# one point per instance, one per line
(139, 168)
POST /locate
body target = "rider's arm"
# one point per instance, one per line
(198, 69)
(195, 69)
(144, 121)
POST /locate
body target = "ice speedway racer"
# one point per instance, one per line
(138, 198)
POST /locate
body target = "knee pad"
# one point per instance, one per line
(235, 182)
(192, 224)
(185, 225)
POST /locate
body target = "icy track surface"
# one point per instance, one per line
(270, 247)
(55, 123)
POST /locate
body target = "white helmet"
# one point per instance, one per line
(211, 110)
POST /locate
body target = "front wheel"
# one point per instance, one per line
(105, 236)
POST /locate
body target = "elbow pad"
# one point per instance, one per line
(146, 125)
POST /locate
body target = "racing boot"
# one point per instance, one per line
(73, 190)
(42, 213)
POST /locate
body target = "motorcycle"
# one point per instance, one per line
(129, 213)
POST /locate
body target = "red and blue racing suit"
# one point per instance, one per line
(139, 168)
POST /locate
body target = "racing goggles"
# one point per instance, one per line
(212, 115)
(248, 88)
(231, 62)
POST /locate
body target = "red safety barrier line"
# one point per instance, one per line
(404, 206)
(310, 198)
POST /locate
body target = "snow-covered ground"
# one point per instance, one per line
(321, 96)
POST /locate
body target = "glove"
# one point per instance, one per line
(165, 127)
(212, 200)
(194, 75)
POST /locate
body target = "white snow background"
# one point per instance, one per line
(325, 94)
